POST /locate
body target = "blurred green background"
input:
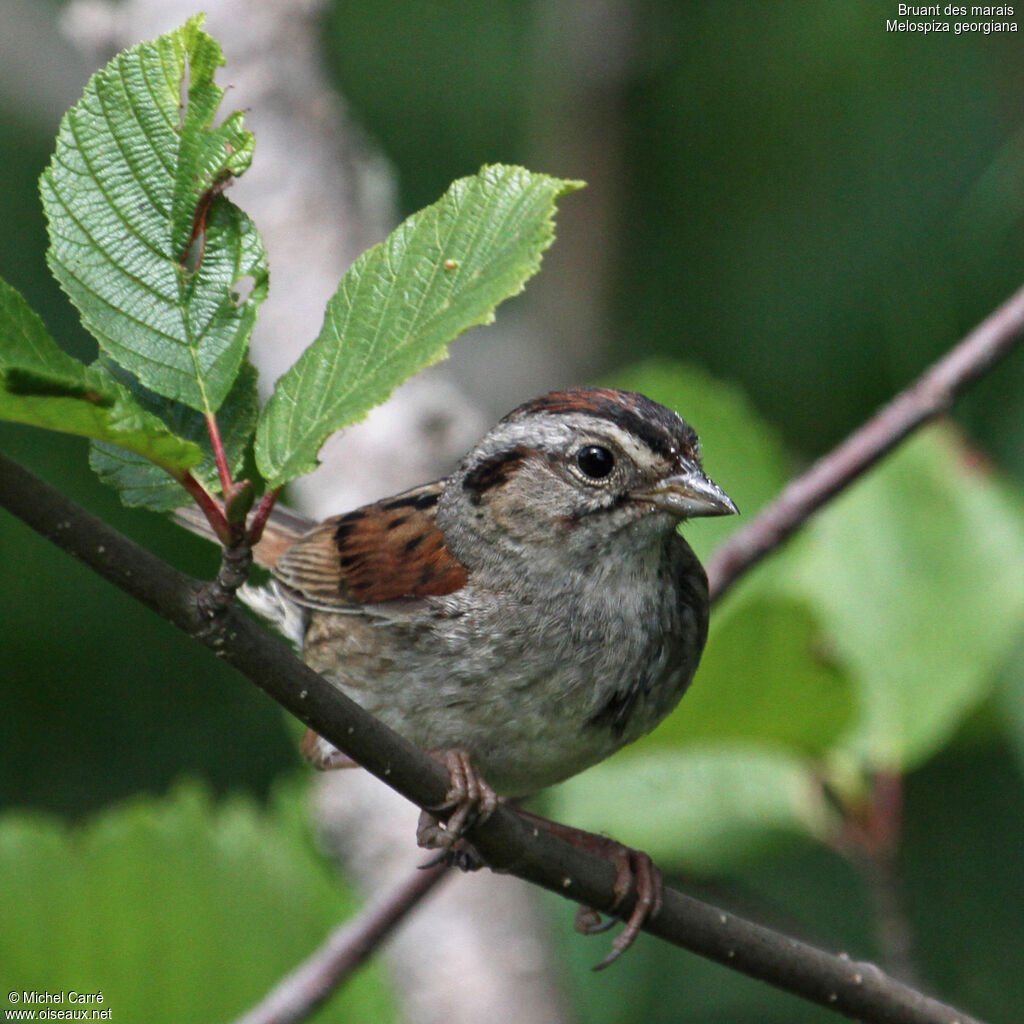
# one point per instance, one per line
(803, 205)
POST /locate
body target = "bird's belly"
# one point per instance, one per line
(530, 711)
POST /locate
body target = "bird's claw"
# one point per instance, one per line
(470, 801)
(590, 922)
(634, 870)
(635, 873)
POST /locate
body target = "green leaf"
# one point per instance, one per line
(45, 387)
(703, 809)
(141, 900)
(917, 573)
(765, 676)
(142, 484)
(439, 273)
(155, 259)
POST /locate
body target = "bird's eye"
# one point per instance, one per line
(595, 461)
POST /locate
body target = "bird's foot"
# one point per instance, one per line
(469, 800)
(635, 873)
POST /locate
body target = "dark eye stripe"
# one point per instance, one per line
(493, 472)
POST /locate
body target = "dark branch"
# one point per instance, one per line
(507, 841)
(928, 397)
(215, 596)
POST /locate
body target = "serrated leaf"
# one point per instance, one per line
(142, 484)
(442, 271)
(140, 238)
(45, 387)
(703, 809)
(918, 573)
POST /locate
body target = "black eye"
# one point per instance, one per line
(595, 461)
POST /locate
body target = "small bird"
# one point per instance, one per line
(523, 618)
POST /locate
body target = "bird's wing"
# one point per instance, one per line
(389, 550)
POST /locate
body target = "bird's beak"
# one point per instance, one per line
(687, 495)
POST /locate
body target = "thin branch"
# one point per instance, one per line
(506, 841)
(308, 987)
(928, 397)
(215, 597)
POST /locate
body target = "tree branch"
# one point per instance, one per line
(928, 397)
(506, 841)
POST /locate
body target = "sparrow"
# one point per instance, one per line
(523, 618)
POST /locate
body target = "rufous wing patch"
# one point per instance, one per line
(383, 552)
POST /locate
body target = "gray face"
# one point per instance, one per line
(575, 468)
(562, 469)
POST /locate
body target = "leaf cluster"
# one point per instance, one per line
(171, 881)
(168, 275)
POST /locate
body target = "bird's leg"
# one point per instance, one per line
(634, 872)
(323, 755)
(469, 799)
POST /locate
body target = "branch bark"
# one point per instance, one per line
(508, 842)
